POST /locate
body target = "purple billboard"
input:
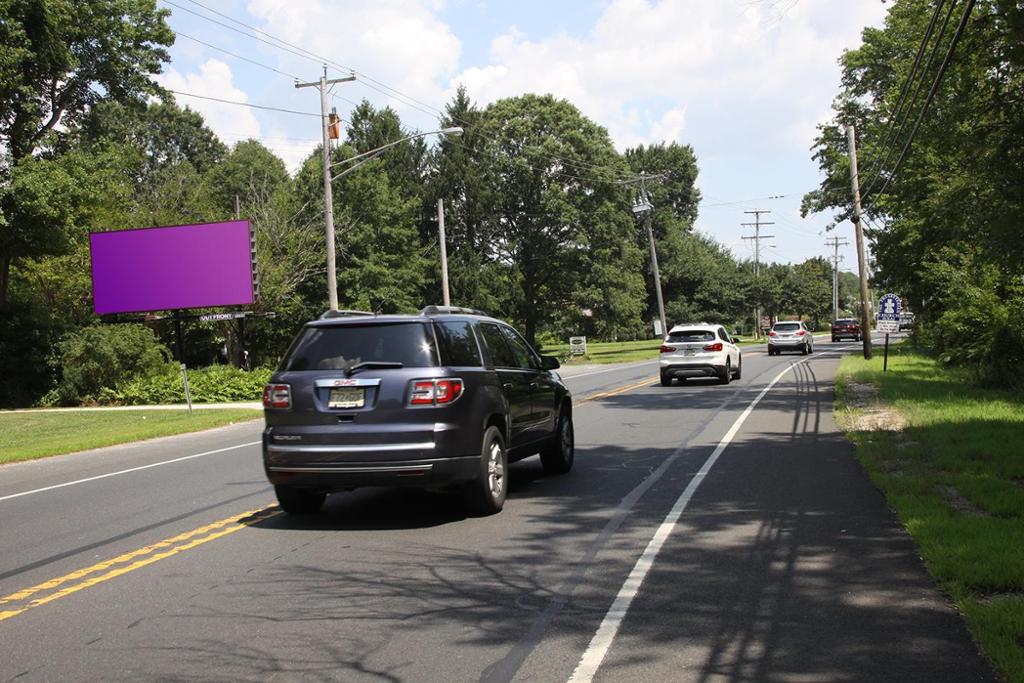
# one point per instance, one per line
(182, 266)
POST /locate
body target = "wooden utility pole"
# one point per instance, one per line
(325, 126)
(865, 317)
(757, 237)
(444, 253)
(835, 258)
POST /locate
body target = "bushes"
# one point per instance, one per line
(95, 358)
(216, 384)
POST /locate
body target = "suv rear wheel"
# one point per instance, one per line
(726, 375)
(299, 501)
(558, 454)
(486, 493)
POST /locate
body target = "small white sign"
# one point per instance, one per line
(658, 332)
(578, 346)
(887, 326)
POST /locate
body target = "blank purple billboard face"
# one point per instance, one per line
(183, 266)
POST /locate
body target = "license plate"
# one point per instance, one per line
(689, 352)
(347, 397)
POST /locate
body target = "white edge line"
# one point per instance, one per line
(606, 632)
(133, 469)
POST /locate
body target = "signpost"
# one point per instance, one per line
(888, 321)
(578, 346)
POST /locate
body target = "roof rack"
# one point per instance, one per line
(446, 310)
(335, 313)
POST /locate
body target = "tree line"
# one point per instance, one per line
(539, 223)
(946, 224)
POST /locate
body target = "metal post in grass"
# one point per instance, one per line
(188, 395)
(885, 359)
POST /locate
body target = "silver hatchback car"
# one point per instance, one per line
(790, 335)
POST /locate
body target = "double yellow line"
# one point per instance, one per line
(615, 392)
(54, 589)
(17, 603)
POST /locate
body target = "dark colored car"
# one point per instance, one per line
(446, 398)
(845, 327)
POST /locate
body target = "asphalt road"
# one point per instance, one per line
(696, 539)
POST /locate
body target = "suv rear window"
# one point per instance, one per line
(338, 346)
(786, 327)
(845, 321)
(685, 336)
(457, 344)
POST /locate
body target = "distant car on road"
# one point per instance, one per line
(845, 327)
(444, 398)
(790, 335)
(699, 350)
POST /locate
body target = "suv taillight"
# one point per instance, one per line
(773, 333)
(800, 333)
(277, 396)
(431, 392)
(665, 348)
(717, 346)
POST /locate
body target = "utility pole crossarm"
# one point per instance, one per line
(325, 81)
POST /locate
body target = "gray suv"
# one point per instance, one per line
(446, 398)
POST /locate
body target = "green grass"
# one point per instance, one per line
(37, 434)
(616, 352)
(955, 476)
(607, 352)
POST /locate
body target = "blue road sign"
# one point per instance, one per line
(889, 309)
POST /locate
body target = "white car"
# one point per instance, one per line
(699, 350)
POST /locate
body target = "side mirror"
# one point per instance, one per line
(549, 363)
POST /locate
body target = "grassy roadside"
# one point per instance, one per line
(25, 436)
(607, 352)
(947, 455)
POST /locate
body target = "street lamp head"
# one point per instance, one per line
(454, 130)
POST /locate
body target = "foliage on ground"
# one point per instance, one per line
(955, 475)
(36, 434)
(215, 384)
(95, 358)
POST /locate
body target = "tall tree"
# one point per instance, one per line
(957, 201)
(557, 211)
(58, 57)
(457, 180)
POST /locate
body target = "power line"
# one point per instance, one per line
(236, 56)
(235, 101)
(890, 148)
(365, 78)
(891, 126)
(232, 28)
(931, 95)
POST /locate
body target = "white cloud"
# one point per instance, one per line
(214, 79)
(646, 63)
(403, 44)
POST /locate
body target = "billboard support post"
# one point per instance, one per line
(188, 395)
(178, 342)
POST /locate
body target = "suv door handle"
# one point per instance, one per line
(507, 386)
(533, 385)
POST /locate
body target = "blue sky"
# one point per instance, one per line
(743, 81)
